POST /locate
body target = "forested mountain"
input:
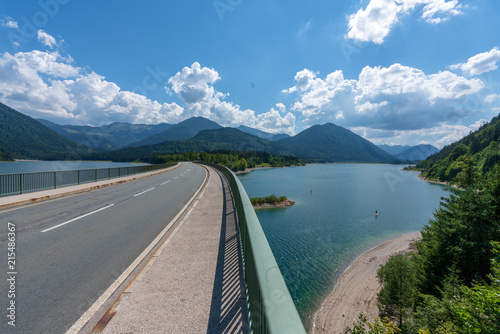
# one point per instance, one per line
(207, 140)
(263, 134)
(181, 131)
(108, 137)
(332, 143)
(482, 146)
(25, 138)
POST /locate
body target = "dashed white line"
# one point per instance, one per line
(165, 183)
(175, 178)
(72, 220)
(145, 191)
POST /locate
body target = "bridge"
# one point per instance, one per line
(172, 250)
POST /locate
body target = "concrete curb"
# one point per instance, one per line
(9, 202)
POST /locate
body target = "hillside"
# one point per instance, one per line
(207, 140)
(107, 137)
(5, 156)
(25, 138)
(332, 143)
(482, 145)
(181, 131)
(262, 134)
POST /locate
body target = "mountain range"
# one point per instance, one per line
(24, 137)
(410, 153)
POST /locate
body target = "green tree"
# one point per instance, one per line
(398, 288)
(379, 326)
(478, 308)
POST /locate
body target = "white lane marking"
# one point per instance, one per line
(165, 183)
(72, 220)
(175, 178)
(145, 191)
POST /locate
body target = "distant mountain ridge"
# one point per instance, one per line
(23, 137)
(181, 131)
(108, 137)
(410, 153)
(263, 134)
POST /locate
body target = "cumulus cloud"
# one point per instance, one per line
(384, 99)
(374, 23)
(47, 85)
(480, 63)
(439, 135)
(194, 85)
(8, 22)
(46, 39)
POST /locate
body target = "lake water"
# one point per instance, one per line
(333, 220)
(24, 166)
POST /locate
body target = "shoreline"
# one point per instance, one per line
(357, 288)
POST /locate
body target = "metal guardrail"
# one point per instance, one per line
(14, 184)
(270, 305)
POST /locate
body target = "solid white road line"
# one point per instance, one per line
(165, 183)
(145, 191)
(72, 220)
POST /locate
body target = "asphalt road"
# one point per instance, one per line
(69, 251)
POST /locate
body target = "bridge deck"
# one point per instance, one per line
(195, 285)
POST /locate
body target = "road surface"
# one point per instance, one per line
(69, 251)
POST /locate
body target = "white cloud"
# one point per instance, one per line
(390, 98)
(480, 63)
(375, 22)
(194, 85)
(440, 135)
(8, 22)
(46, 85)
(491, 98)
(46, 39)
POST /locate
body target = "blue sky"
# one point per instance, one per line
(393, 71)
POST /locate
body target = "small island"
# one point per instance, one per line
(271, 202)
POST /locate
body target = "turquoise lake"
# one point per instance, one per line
(333, 220)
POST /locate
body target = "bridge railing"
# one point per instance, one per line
(14, 184)
(271, 307)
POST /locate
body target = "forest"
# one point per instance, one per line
(234, 160)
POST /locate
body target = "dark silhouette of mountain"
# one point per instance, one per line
(263, 134)
(332, 143)
(181, 131)
(417, 153)
(108, 137)
(25, 138)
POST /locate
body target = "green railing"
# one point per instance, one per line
(271, 308)
(14, 184)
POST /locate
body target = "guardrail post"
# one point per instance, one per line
(78, 177)
(55, 180)
(21, 184)
(109, 173)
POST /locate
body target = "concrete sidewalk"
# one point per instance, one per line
(194, 283)
(39, 196)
